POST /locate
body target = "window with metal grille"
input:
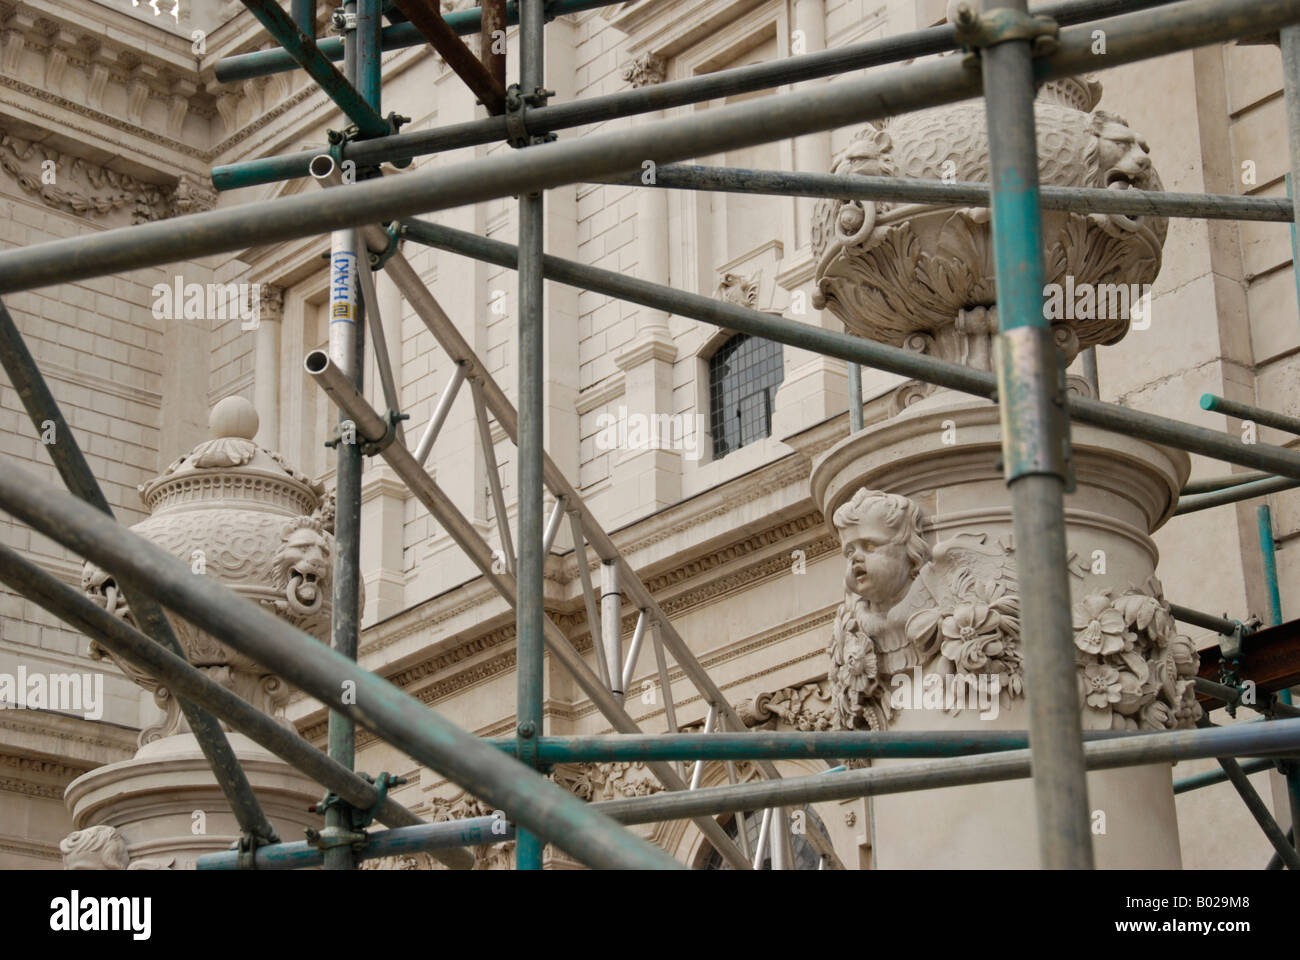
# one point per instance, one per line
(743, 376)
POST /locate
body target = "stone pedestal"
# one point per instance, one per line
(168, 808)
(957, 616)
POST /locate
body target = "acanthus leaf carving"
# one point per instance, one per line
(89, 190)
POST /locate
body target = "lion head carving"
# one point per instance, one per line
(301, 565)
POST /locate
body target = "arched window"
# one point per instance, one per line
(743, 376)
(806, 856)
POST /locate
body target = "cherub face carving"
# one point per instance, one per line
(882, 545)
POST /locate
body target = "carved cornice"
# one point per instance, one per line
(29, 848)
(651, 348)
(23, 766)
(76, 742)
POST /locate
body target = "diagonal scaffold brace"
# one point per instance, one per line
(46, 415)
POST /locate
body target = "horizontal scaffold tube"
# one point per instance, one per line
(848, 186)
(1243, 491)
(1220, 625)
(183, 680)
(1210, 777)
(400, 720)
(1213, 484)
(649, 98)
(813, 745)
(908, 363)
(1243, 739)
(1132, 37)
(432, 838)
(1244, 411)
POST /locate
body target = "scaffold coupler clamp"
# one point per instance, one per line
(517, 105)
(1230, 657)
(372, 448)
(975, 31)
(343, 21)
(354, 834)
(526, 743)
(394, 232)
(247, 845)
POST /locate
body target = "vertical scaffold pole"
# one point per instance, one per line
(1268, 553)
(347, 349)
(528, 612)
(1035, 438)
(304, 14)
(1289, 40)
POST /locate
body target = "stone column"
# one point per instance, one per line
(928, 636)
(648, 473)
(815, 386)
(383, 513)
(266, 364)
(812, 153)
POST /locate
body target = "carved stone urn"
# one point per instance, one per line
(921, 276)
(928, 636)
(239, 513)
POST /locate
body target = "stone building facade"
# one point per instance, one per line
(111, 114)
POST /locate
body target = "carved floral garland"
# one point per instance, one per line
(958, 614)
(1135, 671)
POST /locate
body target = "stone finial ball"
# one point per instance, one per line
(233, 417)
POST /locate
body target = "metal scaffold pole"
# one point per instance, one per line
(347, 348)
(1130, 38)
(1212, 443)
(676, 93)
(529, 627)
(1035, 436)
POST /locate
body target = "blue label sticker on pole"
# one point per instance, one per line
(343, 287)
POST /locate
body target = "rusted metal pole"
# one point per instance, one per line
(426, 18)
(492, 40)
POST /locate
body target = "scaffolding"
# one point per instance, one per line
(367, 216)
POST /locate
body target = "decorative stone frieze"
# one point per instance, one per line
(597, 782)
(496, 856)
(808, 706)
(87, 189)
